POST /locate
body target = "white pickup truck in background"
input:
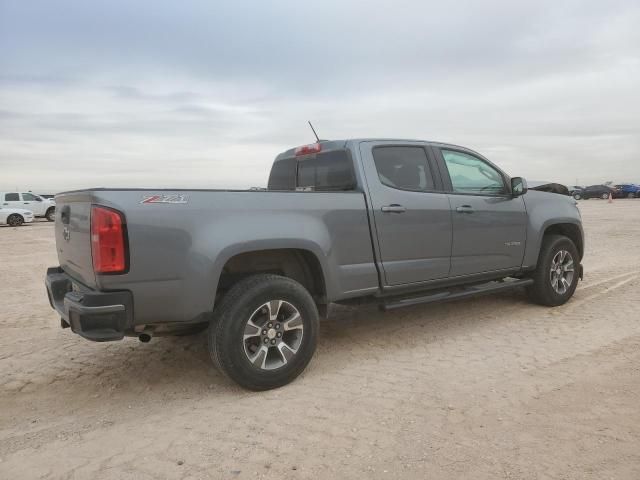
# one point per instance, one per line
(41, 207)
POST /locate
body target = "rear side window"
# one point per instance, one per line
(11, 197)
(326, 171)
(404, 168)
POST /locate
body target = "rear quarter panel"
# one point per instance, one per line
(177, 251)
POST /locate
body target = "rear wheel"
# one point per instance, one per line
(264, 331)
(556, 275)
(577, 196)
(51, 214)
(15, 220)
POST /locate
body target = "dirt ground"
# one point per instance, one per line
(486, 388)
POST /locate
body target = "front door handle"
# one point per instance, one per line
(465, 209)
(393, 208)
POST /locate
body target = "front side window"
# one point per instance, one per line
(29, 197)
(11, 197)
(404, 168)
(472, 175)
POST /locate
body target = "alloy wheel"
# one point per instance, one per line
(562, 272)
(273, 335)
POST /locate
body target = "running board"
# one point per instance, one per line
(457, 294)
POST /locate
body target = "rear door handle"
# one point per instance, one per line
(465, 209)
(393, 208)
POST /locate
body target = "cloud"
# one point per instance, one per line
(202, 94)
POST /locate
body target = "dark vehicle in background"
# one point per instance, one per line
(47, 196)
(575, 188)
(549, 187)
(594, 191)
(627, 190)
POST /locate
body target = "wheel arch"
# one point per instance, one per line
(296, 262)
(569, 230)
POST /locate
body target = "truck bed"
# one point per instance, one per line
(180, 240)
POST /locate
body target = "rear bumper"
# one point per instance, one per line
(94, 315)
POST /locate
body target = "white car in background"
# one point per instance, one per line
(41, 207)
(15, 216)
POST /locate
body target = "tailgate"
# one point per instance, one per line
(73, 236)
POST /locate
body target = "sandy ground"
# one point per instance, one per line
(487, 388)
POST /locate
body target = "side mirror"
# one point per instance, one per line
(38, 199)
(518, 186)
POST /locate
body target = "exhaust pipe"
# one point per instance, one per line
(144, 337)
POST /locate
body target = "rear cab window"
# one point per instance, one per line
(11, 197)
(325, 171)
(283, 174)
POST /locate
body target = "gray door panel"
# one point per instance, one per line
(490, 235)
(413, 228)
(489, 225)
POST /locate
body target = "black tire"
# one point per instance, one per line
(604, 196)
(241, 303)
(51, 214)
(542, 290)
(15, 220)
(577, 196)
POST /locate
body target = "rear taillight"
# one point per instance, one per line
(108, 240)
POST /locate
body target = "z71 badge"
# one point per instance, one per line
(170, 198)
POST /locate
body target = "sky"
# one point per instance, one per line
(204, 94)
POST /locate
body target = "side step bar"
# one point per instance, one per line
(457, 294)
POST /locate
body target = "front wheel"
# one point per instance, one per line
(264, 331)
(577, 196)
(15, 220)
(51, 214)
(604, 196)
(556, 275)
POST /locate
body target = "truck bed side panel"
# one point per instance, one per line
(178, 251)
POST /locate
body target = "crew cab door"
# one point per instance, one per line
(12, 199)
(489, 224)
(411, 213)
(33, 203)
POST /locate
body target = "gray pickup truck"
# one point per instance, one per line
(395, 222)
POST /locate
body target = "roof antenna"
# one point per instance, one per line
(314, 131)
